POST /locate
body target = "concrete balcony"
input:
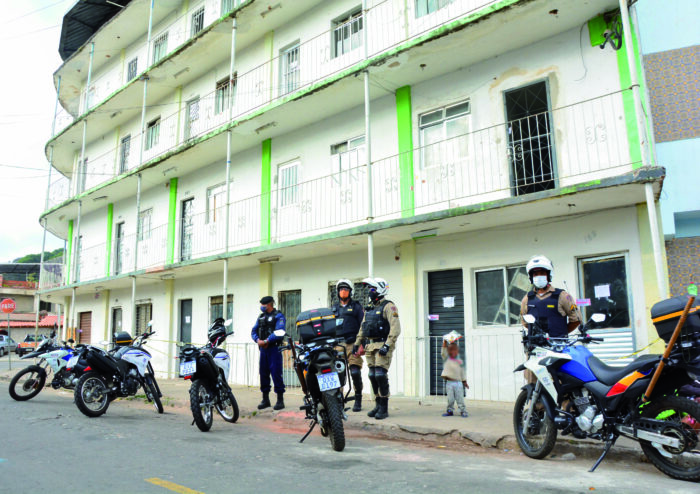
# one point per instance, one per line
(572, 157)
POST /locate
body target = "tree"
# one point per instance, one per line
(36, 258)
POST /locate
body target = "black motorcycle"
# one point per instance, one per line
(59, 359)
(320, 362)
(208, 368)
(117, 373)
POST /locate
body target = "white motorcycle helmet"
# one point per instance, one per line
(380, 286)
(540, 262)
(344, 283)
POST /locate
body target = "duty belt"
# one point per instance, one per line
(377, 340)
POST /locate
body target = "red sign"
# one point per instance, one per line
(8, 306)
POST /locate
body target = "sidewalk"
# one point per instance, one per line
(489, 424)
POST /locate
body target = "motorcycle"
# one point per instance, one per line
(208, 368)
(320, 362)
(577, 394)
(29, 382)
(120, 372)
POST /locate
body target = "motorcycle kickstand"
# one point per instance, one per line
(608, 446)
(313, 424)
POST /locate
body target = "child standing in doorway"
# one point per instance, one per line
(454, 375)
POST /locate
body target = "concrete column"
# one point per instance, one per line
(409, 317)
(107, 316)
(169, 328)
(265, 279)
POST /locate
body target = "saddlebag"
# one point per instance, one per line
(665, 315)
(316, 324)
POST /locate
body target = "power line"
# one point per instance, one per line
(32, 12)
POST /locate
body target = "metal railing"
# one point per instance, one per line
(52, 273)
(589, 142)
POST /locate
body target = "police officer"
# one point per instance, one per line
(270, 355)
(351, 313)
(378, 334)
(554, 309)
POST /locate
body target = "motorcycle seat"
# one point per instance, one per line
(609, 375)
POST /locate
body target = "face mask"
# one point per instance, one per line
(540, 281)
(263, 308)
(373, 296)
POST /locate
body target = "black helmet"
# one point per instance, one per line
(217, 331)
(122, 338)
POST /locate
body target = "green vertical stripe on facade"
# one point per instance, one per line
(265, 191)
(110, 221)
(70, 250)
(404, 119)
(172, 220)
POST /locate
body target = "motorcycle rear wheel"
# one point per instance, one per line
(203, 415)
(229, 408)
(537, 445)
(152, 393)
(89, 385)
(686, 413)
(32, 386)
(334, 412)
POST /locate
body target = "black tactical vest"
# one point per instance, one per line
(266, 324)
(376, 326)
(351, 326)
(546, 311)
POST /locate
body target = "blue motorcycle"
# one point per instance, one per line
(574, 393)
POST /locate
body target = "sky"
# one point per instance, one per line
(29, 34)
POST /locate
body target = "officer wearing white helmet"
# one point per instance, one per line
(555, 309)
(380, 331)
(350, 313)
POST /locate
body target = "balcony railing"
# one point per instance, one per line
(586, 141)
(293, 70)
(53, 273)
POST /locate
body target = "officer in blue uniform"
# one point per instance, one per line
(270, 355)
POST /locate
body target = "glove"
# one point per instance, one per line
(384, 350)
(355, 349)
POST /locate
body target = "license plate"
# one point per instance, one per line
(328, 381)
(188, 368)
(72, 362)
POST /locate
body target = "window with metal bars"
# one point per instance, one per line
(499, 292)
(288, 184)
(425, 7)
(216, 307)
(223, 97)
(145, 217)
(216, 199)
(197, 21)
(289, 69)
(144, 313)
(124, 151)
(443, 135)
(132, 69)
(346, 157)
(347, 32)
(152, 133)
(160, 47)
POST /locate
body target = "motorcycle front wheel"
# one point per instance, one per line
(27, 383)
(91, 396)
(227, 406)
(538, 441)
(684, 413)
(200, 397)
(334, 412)
(152, 393)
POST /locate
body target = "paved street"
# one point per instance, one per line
(131, 449)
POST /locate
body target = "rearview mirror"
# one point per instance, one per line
(597, 317)
(280, 333)
(150, 323)
(228, 322)
(529, 318)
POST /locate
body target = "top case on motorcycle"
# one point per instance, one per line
(316, 324)
(665, 315)
(609, 375)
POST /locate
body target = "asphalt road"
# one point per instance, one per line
(47, 445)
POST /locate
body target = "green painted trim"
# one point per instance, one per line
(70, 248)
(172, 220)
(404, 121)
(110, 224)
(266, 192)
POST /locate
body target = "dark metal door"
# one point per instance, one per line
(445, 314)
(186, 230)
(185, 321)
(290, 306)
(530, 139)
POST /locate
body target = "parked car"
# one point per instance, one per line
(7, 345)
(29, 344)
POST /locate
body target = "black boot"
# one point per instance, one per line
(373, 412)
(357, 407)
(383, 409)
(265, 403)
(280, 402)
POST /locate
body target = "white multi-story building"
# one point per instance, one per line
(220, 150)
